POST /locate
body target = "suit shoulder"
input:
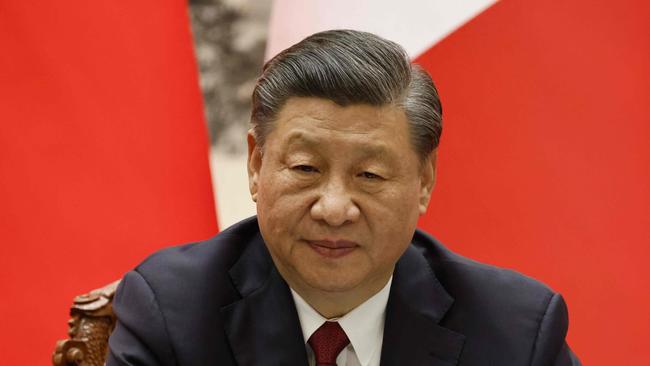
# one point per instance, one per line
(173, 297)
(475, 284)
(501, 312)
(199, 262)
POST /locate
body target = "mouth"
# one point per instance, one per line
(332, 248)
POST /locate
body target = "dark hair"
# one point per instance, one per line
(349, 67)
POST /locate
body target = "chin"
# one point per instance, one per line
(329, 283)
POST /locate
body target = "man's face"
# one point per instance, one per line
(338, 191)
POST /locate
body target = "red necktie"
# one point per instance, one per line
(327, 342)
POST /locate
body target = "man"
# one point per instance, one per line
(341, 163)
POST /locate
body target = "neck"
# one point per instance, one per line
(335, 304)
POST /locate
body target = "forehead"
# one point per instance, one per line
(312, 119)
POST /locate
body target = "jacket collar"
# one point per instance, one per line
(417, 303)
(263, 326)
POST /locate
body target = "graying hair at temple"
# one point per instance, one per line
(350, 67)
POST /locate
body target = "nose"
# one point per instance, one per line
(335, 205)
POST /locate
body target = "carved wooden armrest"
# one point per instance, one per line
(92, 321)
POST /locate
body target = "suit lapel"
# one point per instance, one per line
(417, 303)
(263, 327)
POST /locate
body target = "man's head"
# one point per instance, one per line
(341, 163)
(350, 67)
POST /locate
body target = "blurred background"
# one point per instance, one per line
(122, 131)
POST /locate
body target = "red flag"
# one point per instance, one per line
(103, 155)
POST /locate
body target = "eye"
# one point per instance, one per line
(371, 176)
(305, 169)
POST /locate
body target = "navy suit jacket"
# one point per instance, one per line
(222, 302)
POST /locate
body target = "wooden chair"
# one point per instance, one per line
(92, 321)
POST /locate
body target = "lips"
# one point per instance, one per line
(332, 248)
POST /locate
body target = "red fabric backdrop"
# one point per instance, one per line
(545, 158)
(103, 155)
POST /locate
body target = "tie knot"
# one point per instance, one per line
(327, 342)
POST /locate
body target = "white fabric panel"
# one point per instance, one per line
(415, 24)
(230, 182)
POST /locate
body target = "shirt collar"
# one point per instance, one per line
(364, 325)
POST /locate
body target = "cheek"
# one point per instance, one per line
(393, 220)
(282, 200)
(400, 203)
(281, 205)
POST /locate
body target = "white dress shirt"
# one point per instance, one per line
(364, 326)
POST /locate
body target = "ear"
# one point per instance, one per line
(254, 164)
(427, 180)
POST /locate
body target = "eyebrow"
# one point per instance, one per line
(302, 138)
